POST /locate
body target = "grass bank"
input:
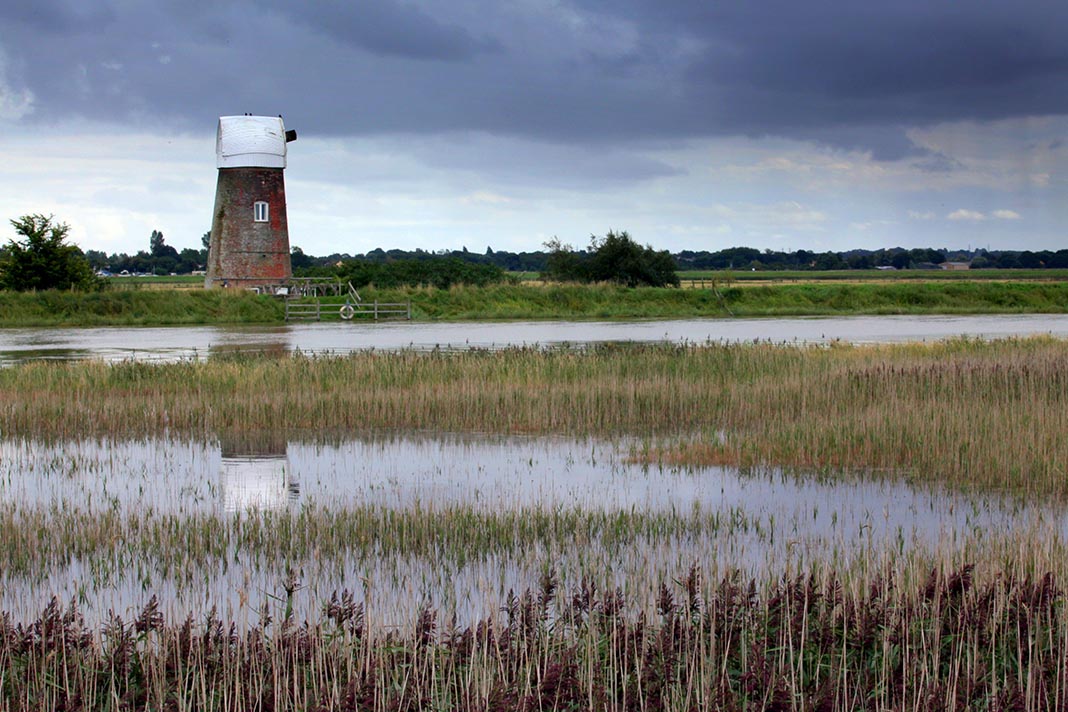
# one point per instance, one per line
(137, 308)
(961, 412)
(555, 301)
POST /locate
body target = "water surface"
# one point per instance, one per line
(114, 343)
(756, 521)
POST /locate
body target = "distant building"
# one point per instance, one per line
(956, 265)
(249, 245)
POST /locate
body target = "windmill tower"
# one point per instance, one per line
(249, 231)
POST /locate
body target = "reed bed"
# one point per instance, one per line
(963, 412)
(514, 607)
(953, 641)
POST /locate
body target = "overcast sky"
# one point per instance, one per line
(693, 124)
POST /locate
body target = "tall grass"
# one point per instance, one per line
(961, 412)
(810, 641)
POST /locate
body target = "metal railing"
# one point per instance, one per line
(304, 302)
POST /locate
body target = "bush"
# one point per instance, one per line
(614, 258)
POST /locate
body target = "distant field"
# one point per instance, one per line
(181, 281)
(526, 276)
(867, 275)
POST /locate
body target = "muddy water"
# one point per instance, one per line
(754, 521)
(198, 342)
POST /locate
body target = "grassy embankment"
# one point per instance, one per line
(817, 299)
(162, 307)
(962, 412)
(147, 307)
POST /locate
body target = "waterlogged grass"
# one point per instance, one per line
(808, 642)
(462, 606)
(353, 609)
(962, 412)
(143, 307)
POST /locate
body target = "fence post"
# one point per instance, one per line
(376, 310)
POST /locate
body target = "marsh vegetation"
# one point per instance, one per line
(964, 412)
(615, 527)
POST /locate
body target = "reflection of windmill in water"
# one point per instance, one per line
(256, 472)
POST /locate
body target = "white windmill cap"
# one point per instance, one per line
(250, 141)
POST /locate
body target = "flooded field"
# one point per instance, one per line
(409, 520)
(658, 526)
(171, 343)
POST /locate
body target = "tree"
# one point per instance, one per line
(618, 258)
(158, 248)
(297, 258)
(563, 263)
(42, 260)
(188, 260)
(828, 261)
(98, 259)
(612, 258)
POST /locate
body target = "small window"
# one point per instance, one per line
(260, 211)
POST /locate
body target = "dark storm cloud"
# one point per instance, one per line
(844, 73)
(56, 15)
(388, 29)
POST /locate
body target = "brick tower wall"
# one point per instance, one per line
(244, 253)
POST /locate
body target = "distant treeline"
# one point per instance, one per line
(734, 258)
(164, 259)
(159, 259)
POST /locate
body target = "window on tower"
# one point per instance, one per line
(259, 211)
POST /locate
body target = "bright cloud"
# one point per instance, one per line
(14, 103)
(976, 216)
